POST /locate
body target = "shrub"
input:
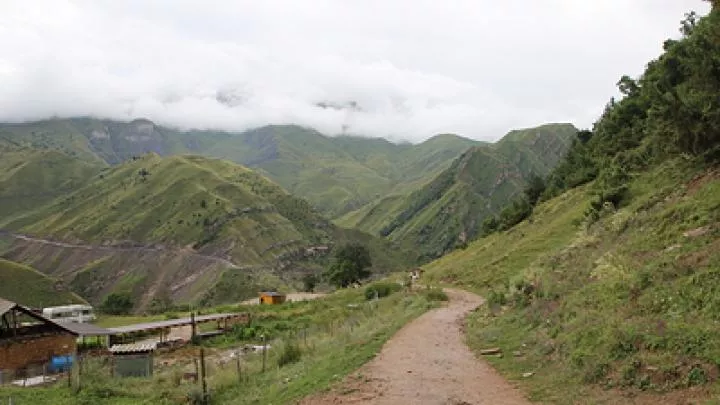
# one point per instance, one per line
(696, 376)
(496, 298)
(381, 289)
(291, 354)
(310, 281)
(435, 294)
(117, 304)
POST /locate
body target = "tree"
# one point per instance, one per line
(310, 282)
(117, 304)
(350, 264)
(490, 225)
(534, 189)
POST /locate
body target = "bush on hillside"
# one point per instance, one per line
(117, 304)
(291, 354)
(310, 281)
(514, 213)
(381, 289)
(435, 294)
(496, 298)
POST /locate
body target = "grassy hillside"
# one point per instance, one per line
(449, 210)
(629, 302)
(29, 287)
(608, 292)
(175, 228)
(30, 178)
(335, 174)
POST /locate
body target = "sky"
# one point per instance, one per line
(399, 69)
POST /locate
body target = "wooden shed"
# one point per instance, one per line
(272, 297)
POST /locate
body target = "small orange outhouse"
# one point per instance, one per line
(271, 297)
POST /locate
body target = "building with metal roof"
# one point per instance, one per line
(28, 338)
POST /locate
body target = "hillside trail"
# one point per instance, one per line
(426, 362)
(106, 248)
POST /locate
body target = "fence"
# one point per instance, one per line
(236, 359)
(58, 368)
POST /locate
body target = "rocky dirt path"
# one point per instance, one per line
(427, 362)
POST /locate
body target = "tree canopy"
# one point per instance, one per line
(117, 304)
(350, 265)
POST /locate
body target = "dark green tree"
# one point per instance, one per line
(490, 225)
(117, 304)
(310, 282)
(534, 189)
(350, 265)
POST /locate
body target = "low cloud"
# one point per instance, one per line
(402, 69)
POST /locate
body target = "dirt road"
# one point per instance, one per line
(427, 362)
(130, 249)
(293, 297)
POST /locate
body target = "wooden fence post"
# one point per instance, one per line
(202, 376)
(239, 369)
(197, 370)
(264, 342)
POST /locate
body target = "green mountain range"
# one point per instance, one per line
(336, 174)
(107, 206)
(449, 210)
(170, 228)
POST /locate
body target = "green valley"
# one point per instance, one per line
(449, 210)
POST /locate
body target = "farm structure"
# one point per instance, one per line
(29, 341)
(272, 297)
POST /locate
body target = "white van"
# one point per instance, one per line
(70, 313)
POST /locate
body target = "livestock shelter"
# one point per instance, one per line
(272, 297)
(29, 341)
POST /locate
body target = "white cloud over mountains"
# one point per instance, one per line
(411, 68)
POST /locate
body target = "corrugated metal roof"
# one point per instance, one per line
(6, 306)
(272, 294)
(172, 323)
(86, 329)
(133, 348)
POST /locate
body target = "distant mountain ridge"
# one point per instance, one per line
(448, 210)
(336, 174)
